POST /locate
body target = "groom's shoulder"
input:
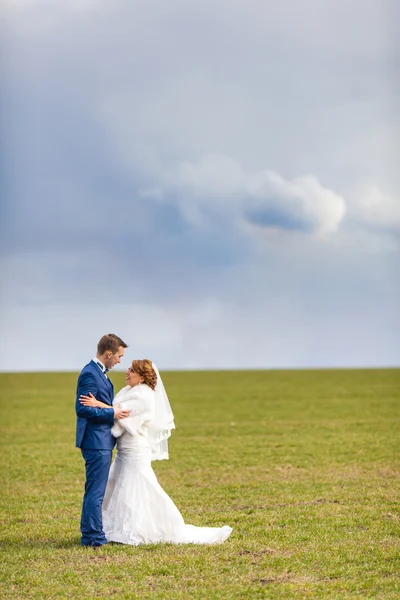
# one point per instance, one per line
(89, 368)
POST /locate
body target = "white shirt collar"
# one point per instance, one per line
(99, 364)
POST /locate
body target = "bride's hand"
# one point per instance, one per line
(90, 400)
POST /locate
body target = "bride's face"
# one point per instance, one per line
(133, 378)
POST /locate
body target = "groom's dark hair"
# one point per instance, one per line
(110, 341)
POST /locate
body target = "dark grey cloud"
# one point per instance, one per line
(271, 217)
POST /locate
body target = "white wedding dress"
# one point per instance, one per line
(136, 510)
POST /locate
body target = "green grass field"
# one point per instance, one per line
(304, 465)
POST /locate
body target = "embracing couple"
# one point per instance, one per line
(127, 504)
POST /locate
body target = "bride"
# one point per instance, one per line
(136, 510)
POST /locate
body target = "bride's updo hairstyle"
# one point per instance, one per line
(144, 368)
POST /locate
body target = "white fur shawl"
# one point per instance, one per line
(140, 401)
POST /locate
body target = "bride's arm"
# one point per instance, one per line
(90, 400)
(87, 384)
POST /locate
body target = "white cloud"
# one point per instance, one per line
(305, 198)
(219, 185)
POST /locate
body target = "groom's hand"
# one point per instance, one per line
(120, 413)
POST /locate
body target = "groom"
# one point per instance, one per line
(93, 433)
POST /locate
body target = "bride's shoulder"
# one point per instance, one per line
(138, 392)
(124, 389)
(125, 393)
(144, 391)
(143, 394)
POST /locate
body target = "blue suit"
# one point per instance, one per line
(93, 437)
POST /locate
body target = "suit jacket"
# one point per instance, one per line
(93, 425)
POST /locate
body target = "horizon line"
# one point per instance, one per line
(224, 369)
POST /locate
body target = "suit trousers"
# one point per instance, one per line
(97, 464)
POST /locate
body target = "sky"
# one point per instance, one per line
(216, 182)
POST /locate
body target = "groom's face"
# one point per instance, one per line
(114, 359)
